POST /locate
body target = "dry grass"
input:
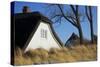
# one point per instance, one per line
(42, 56)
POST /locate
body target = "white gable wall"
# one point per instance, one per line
(46, 43)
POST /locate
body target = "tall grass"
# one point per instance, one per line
(54, 55)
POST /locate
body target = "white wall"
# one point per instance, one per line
(46, 43)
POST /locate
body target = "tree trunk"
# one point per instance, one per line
(89, 15)
(91, 27)
(80, 34)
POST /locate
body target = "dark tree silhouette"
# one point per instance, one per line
(88, 11)
(73, 16)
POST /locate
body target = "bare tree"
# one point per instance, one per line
(72, 16)
(88, 11)
(77, 18)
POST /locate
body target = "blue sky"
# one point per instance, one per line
(63, 29)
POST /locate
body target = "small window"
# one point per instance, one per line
(43, 33)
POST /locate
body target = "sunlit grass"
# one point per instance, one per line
(54, 55)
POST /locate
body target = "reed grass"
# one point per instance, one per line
(54, 55)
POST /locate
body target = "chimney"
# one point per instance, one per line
(26, 9)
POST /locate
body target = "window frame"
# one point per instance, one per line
(43, 33)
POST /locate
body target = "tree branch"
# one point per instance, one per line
(86, 11)
(73, 23)
(90, 10)
(55, 16)
(73, 9)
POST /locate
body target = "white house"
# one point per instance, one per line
(33, 30)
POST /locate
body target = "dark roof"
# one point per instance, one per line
(25, 25)
(73, 39)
